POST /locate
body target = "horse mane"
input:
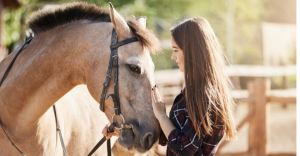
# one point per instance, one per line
(51, 18)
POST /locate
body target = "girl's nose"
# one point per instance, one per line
(173, 57)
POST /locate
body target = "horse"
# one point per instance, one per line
(71, 47)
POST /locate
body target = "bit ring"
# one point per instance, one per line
(112, 120)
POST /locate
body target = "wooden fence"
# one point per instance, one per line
(259, 100)
(258, 95)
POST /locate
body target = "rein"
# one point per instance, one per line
(2, 80)
(28, 40)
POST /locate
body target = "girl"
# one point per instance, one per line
(202, 113)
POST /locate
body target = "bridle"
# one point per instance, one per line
(113, 63)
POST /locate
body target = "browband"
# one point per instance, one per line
(116, 45)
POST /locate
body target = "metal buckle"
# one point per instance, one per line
(112, 120)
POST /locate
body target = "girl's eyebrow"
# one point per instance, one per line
(174, 47)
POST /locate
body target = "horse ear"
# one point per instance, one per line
(119, 23)
(142, 21)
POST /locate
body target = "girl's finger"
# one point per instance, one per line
(104, 131)
(156, 94)
(152, 96)
(108, 136)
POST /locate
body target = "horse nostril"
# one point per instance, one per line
(147, 141)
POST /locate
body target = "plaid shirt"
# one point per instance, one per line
(184, 140)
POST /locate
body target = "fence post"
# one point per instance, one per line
(285, 85)
(251, 111)
(262, 89)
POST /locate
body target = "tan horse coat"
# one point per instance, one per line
(53, 64)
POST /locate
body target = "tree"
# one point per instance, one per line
(233, 21)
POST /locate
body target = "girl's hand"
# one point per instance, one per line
(108, 135)
(159, 107)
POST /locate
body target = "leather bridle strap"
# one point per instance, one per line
(98, 145)
(59, 131)
(14, 59)
(109, 129)
(113, 62)
(108, 76)
(119, 44)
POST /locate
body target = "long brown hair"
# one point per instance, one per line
(205, 80)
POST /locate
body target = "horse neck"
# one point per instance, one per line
(46, 70)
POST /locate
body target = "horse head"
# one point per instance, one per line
(136, 76)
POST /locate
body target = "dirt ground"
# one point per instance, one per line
(282, 130)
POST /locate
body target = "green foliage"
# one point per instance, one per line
(166, 9)
(246, 18)
(277, 82)
(163, 14)
(163, 61)
(12, 26)
(246, 33)
(160, 13)
(292, 81)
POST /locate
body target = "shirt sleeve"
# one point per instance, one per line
(162, 139)
(183, 140)
(211, 143)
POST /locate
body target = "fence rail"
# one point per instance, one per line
(259, 99)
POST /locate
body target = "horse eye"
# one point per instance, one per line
(135, 68)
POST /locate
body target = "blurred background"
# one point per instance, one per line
(258, 37)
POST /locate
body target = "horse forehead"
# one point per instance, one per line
(133, 48)
(132, 51)
(134, 60)
(141, 58)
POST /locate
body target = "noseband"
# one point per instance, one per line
(113, 63)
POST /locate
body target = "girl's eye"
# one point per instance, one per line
(135, 68)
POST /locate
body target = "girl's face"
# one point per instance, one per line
(177, 55)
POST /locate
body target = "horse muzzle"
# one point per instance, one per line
(133, 137)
